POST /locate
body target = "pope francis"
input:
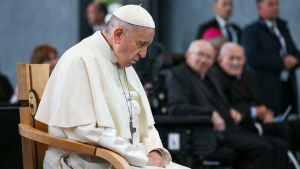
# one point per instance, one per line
(95, 96)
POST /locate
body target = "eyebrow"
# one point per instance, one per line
(236, 56)
(144, 42)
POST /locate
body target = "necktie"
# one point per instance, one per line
(229, 34)
(280, 38)
(284, 75)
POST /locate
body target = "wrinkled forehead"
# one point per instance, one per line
(221, 2)
(237, 53)
(268, 2)
(144, 33)
(205, 48)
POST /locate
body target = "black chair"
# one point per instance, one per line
(191, 142)
(10, 142)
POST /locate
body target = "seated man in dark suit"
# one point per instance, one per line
(241, 92)
(223, 10)
(6, 90)
(193, 91)
(272, 56)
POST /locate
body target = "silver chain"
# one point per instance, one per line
(129, 109)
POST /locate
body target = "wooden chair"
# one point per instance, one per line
(32, 79)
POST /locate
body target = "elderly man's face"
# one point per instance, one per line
(232, 61)
(269, 9)
(224, 8)
(201, 57)
(132, 47)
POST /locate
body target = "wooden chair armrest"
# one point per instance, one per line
(113, 158)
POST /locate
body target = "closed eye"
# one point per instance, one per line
(142, 44)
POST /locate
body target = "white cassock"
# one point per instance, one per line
(85, 101)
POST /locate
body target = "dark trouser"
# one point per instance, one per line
(279, 130)
(287, 131)
(266, 153)
(288, 94)
(295, 136)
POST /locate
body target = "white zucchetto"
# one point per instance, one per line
(136, 15)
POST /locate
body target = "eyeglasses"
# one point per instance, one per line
(203, 54)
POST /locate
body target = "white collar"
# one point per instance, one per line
(202, 76)
(222, 22)
(270, 23)
(111, 56)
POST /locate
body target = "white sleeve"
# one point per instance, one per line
(153, 142)
(107, 137)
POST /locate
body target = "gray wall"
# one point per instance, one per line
(26, 24)
(181, 18)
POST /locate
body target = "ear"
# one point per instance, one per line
(245, 61)
(258, 7)
(187, 55)
(118, 35)
(219, 59)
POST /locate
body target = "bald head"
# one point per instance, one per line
(200, 56)
(197, 44)
(232, 59)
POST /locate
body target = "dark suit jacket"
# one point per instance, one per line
(242, 96)
(6, 90)
(86, 32)
(262, 49)
(214, 23)
(240, 93)
(187, 95)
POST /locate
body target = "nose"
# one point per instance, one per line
(276, 8)
(142, 53)
(235, 62)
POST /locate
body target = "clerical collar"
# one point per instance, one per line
(111, 56)
(238, 77)
(222, 22)
(202, 77)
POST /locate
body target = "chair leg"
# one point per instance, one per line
(293, 159)
(297, 155)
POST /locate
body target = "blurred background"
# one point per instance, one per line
(27, 24)
(24, 25)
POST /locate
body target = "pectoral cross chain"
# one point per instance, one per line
(132, 130)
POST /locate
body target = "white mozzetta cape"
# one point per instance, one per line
(82, 90)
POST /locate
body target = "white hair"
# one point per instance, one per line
(195, 44)
(227, 46)
(115, 22)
